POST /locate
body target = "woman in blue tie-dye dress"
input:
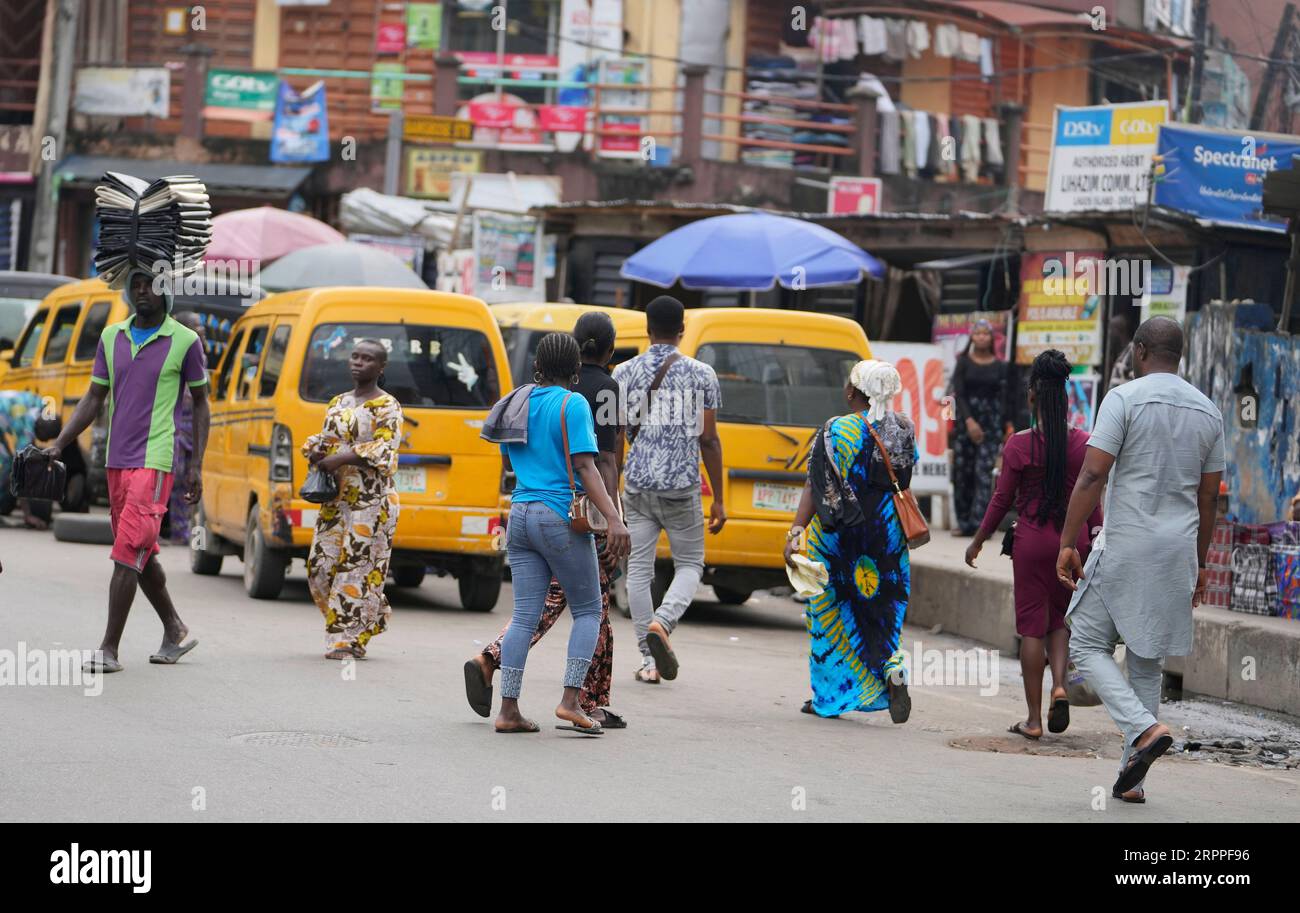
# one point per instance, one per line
(846, 521)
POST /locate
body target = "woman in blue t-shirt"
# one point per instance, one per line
(541, 543)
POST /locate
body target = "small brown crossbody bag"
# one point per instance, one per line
(583, 515)
(913, 522)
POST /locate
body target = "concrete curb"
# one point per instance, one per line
(1250, 659)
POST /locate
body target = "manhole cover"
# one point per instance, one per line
(297, 740)
(1057, 747)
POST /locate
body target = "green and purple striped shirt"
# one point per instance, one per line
(144, 391)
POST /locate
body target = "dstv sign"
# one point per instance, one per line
(1101, 156)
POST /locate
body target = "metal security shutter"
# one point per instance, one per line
(608, 287)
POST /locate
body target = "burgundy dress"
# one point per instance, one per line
(1041, 600)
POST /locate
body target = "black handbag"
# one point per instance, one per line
(1009, 539)
(320, 487)
(36, 476)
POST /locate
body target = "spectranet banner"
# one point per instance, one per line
(1101, 156)
(1219, 174)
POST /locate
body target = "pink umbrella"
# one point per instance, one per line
(265, 234)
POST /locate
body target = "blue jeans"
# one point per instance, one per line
(541, 546)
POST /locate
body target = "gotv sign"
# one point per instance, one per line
(1101, 156)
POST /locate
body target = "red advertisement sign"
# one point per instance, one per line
(390, 38)
(854, 195)
(615, 143)
(492, 114)
(561, 117)
(477, 61)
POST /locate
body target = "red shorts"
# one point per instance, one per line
(137, 500)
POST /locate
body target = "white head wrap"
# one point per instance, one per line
(878, 381)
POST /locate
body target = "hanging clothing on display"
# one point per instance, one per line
(941, 141)
(992, 143)
(823, 36)
(848, 38)
(934, 154)
(907, 133)
(890, 142)
(970, 148)
(895, 39)
(986, 57)
(871, 33)
(968, 48)
(945, 40)
(921, 124)
(918, 38)
(958, 132)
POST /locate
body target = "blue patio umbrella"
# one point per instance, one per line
(751, 251)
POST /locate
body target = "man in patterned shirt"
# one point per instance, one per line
(672, 403)
(140, 370)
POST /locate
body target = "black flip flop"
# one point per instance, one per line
(612, 721)
(1140, 763)
(808, 708)
(531, 727)
(96, 666)
(665, 659)
(1058, 718)
(477, 692)
(169, 654)
(594, 729)
(1019, 730)
(900, 702)
(1140, 799)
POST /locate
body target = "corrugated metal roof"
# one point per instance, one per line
(280, 180)
(722, 208)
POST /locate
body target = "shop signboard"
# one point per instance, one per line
(1101, 155)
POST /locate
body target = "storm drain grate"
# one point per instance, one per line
(297, 740)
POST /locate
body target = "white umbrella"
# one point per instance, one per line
(347, 263)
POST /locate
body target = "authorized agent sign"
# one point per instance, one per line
(1101, 155)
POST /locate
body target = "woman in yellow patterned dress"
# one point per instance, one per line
(350, 550)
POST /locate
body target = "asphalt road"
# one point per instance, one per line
(396, 741)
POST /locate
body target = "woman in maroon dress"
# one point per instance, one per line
(1039, 467)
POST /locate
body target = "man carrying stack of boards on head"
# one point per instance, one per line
(151, 234)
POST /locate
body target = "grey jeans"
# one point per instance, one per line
(647, 513)
(1133, 702)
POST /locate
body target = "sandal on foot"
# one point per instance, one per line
(528, 726)
(1139, 799)
(648, 676)
(665, 659)
(900, 702)
(477, 692)
(1141, 762)
(168, 655)
(594, 729)
(95, 666)
(808, 708)
(1058, 718)
(612, 720)
(340, 653)
(1019, 729)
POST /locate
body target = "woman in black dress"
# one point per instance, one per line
(983, 395)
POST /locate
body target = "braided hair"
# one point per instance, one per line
(594, 332)
(557, 359)
(1047, 380)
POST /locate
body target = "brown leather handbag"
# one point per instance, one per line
(909, 512)
(583, 515)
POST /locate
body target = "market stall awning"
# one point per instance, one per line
(274, 181)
